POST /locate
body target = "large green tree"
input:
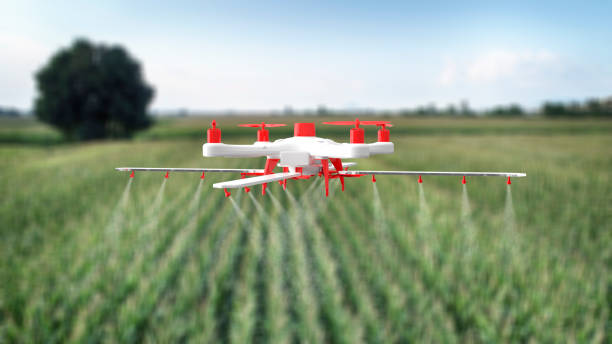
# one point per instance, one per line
(92, 91)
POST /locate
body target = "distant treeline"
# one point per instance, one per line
(9, 112)
(590, 108)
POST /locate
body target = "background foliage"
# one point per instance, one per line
(93, 91)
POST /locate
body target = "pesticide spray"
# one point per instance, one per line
(379, 215)
(260, 210)
(467, 222)
(195, 203)
(153, 213)
(239, 212)
(424, 217)
(276, 202)
(425, 230)
(118, 214)
(509, 241)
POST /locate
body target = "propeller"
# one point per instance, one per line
(261, 125)
(357, 123)
(357, 134)
(262, 133)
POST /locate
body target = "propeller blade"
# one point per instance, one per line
(261, 125)
(341, 123)
(386, 123)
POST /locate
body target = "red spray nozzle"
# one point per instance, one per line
(227, 193)
(420, 180)
(463, 181)
(132, 174)
(509, 182)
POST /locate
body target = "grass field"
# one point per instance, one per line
(88, 255)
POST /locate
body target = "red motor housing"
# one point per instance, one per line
(304, 129)
(213, 135)
(357, 135)
(383, 135)
(263, 135)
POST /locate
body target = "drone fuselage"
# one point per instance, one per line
(305, 152)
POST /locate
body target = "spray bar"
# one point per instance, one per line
(437, 173)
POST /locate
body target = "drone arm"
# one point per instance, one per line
(235, 151)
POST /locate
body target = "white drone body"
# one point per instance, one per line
(303, 156)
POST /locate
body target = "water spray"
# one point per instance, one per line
(116, 219)
(276, 202)
(379, 215)
(466, 219)
(509, 220)
(258, 207)
(424, 218)
(238, 210)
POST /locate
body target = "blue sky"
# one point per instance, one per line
(268, 55)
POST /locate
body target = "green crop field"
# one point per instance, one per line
(89, 255)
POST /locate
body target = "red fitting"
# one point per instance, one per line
(420, 180)
(213, 135)
(263, 135)
(383, 134)
(373, 179)
(202, 176)
(509, 182)
(357, 135)
(227, 193)
(463, 181)
(167, 175)
(304, 129)
(247, 189)
(132, 174)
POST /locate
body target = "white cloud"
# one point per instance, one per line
(496, 66)
(449, 73)
(500, 64)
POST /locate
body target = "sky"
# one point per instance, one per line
(260, 55)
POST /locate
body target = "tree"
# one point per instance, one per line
(93, 91)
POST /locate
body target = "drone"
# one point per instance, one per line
(303, 156)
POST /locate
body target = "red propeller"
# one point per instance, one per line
(357, 122)
(357, 134)
(262, 133)
(261, 125)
